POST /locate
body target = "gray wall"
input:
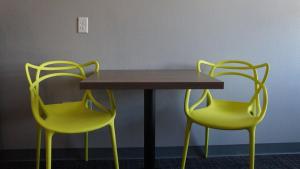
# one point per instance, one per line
(151, 34)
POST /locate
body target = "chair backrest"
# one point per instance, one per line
(238, 68)
(57, 68)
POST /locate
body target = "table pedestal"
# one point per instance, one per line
(149, 128)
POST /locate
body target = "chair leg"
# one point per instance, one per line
(252, 147)
(206, 141)
(186, 142)
(38, 146)
(48, 139)
(86, 146)
(114, 145)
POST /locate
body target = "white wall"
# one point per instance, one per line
(151, 34)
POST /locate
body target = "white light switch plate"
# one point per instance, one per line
(83, 25)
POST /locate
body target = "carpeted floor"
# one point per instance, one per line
(262, 162)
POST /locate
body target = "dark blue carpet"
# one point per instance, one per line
(262, 162)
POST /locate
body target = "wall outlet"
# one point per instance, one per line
(83, 25)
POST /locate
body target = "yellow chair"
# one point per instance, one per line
(226, 114)
(68, 117)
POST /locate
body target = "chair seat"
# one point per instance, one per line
(222, 114)
(74, 117)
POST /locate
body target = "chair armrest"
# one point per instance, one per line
(265, 100)
(112, 100)
(99, 105)
(188, 91)
(189, 108)
(94, 62)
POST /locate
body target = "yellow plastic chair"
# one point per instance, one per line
(68, 117)
(226, 114)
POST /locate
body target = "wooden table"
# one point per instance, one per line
(149, 80)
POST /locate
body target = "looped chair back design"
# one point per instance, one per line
(59, 68)
(234, 68)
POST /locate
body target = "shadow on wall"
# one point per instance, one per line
(170, 117)
(15, 106)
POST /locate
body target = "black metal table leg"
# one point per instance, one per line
(149, 128)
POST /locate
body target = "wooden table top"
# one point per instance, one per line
(150, 79)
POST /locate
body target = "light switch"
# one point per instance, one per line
(83, 25)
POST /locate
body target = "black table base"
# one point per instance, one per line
(149, 128)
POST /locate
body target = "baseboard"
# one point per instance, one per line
(161, 152)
